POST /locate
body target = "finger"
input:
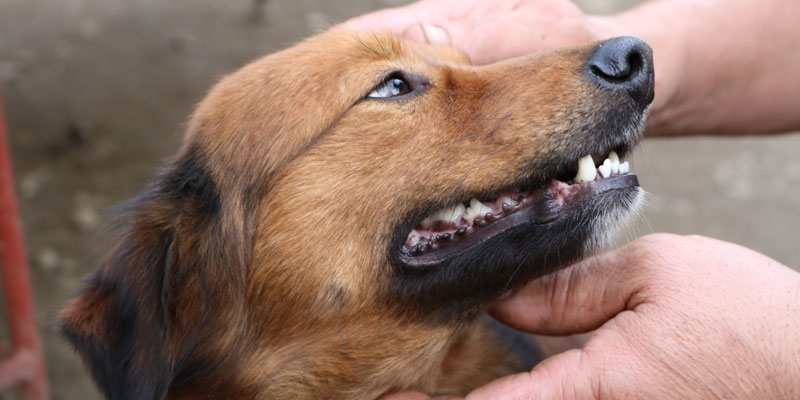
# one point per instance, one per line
(405, 396)
(463, 35)
(426, 33)
(487, 40)
(572, 374)
(396, 20)
(579, 298)
(393, 21)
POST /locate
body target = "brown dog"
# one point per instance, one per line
(312, 238)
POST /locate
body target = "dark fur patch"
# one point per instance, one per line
(139, 314)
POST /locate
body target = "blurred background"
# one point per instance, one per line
(97, 93)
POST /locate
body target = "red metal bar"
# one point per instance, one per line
(17, 368)
(26, 365)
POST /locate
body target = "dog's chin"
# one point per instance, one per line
(548, 228)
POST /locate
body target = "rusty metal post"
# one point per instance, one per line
(25, 367)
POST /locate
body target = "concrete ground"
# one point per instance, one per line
(97, 92)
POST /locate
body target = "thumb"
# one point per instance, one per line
(572, 374)
(578, 298)
(428, 33)
(452, 34)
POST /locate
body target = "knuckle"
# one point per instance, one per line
(661, 238)
(652, 251)
(699, 238)
(657, 244)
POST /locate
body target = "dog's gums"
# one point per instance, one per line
(451, 230)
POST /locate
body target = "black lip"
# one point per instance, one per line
(459, 286)
(544, 210)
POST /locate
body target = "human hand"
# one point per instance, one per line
(492, 31)
(489, 31)
(676, 317)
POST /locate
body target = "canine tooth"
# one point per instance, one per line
(586, 170)
(509, 201)
(624, 167)
(605, 169)
(475, 209)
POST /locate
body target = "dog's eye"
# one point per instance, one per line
(392, 87)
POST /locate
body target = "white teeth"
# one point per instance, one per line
(427, 221)
(611, 165)
(509, 201)
(586, 170)
(452, 214)
(475, 209)
(458, 211)
(614, 158)
(605, 169)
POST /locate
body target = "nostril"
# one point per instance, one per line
(619, 73)
(635, 62)
(624, 64)
(617, 67)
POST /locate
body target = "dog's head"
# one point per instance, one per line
(343, 210)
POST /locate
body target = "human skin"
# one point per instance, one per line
(721, 66)
(675, 317)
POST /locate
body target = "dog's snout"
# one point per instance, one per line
(624, 64)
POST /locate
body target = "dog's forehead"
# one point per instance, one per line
(265, 105)
(403, 54)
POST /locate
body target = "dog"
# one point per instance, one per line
(342, 213)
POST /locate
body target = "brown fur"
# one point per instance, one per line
(255, 265)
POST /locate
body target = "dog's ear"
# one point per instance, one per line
(182, 254)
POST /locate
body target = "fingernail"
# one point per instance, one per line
(435, 35)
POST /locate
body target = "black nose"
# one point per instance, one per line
(624, 64)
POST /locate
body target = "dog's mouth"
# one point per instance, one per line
(455, 229)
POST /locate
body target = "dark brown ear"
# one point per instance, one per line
(180, 258)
